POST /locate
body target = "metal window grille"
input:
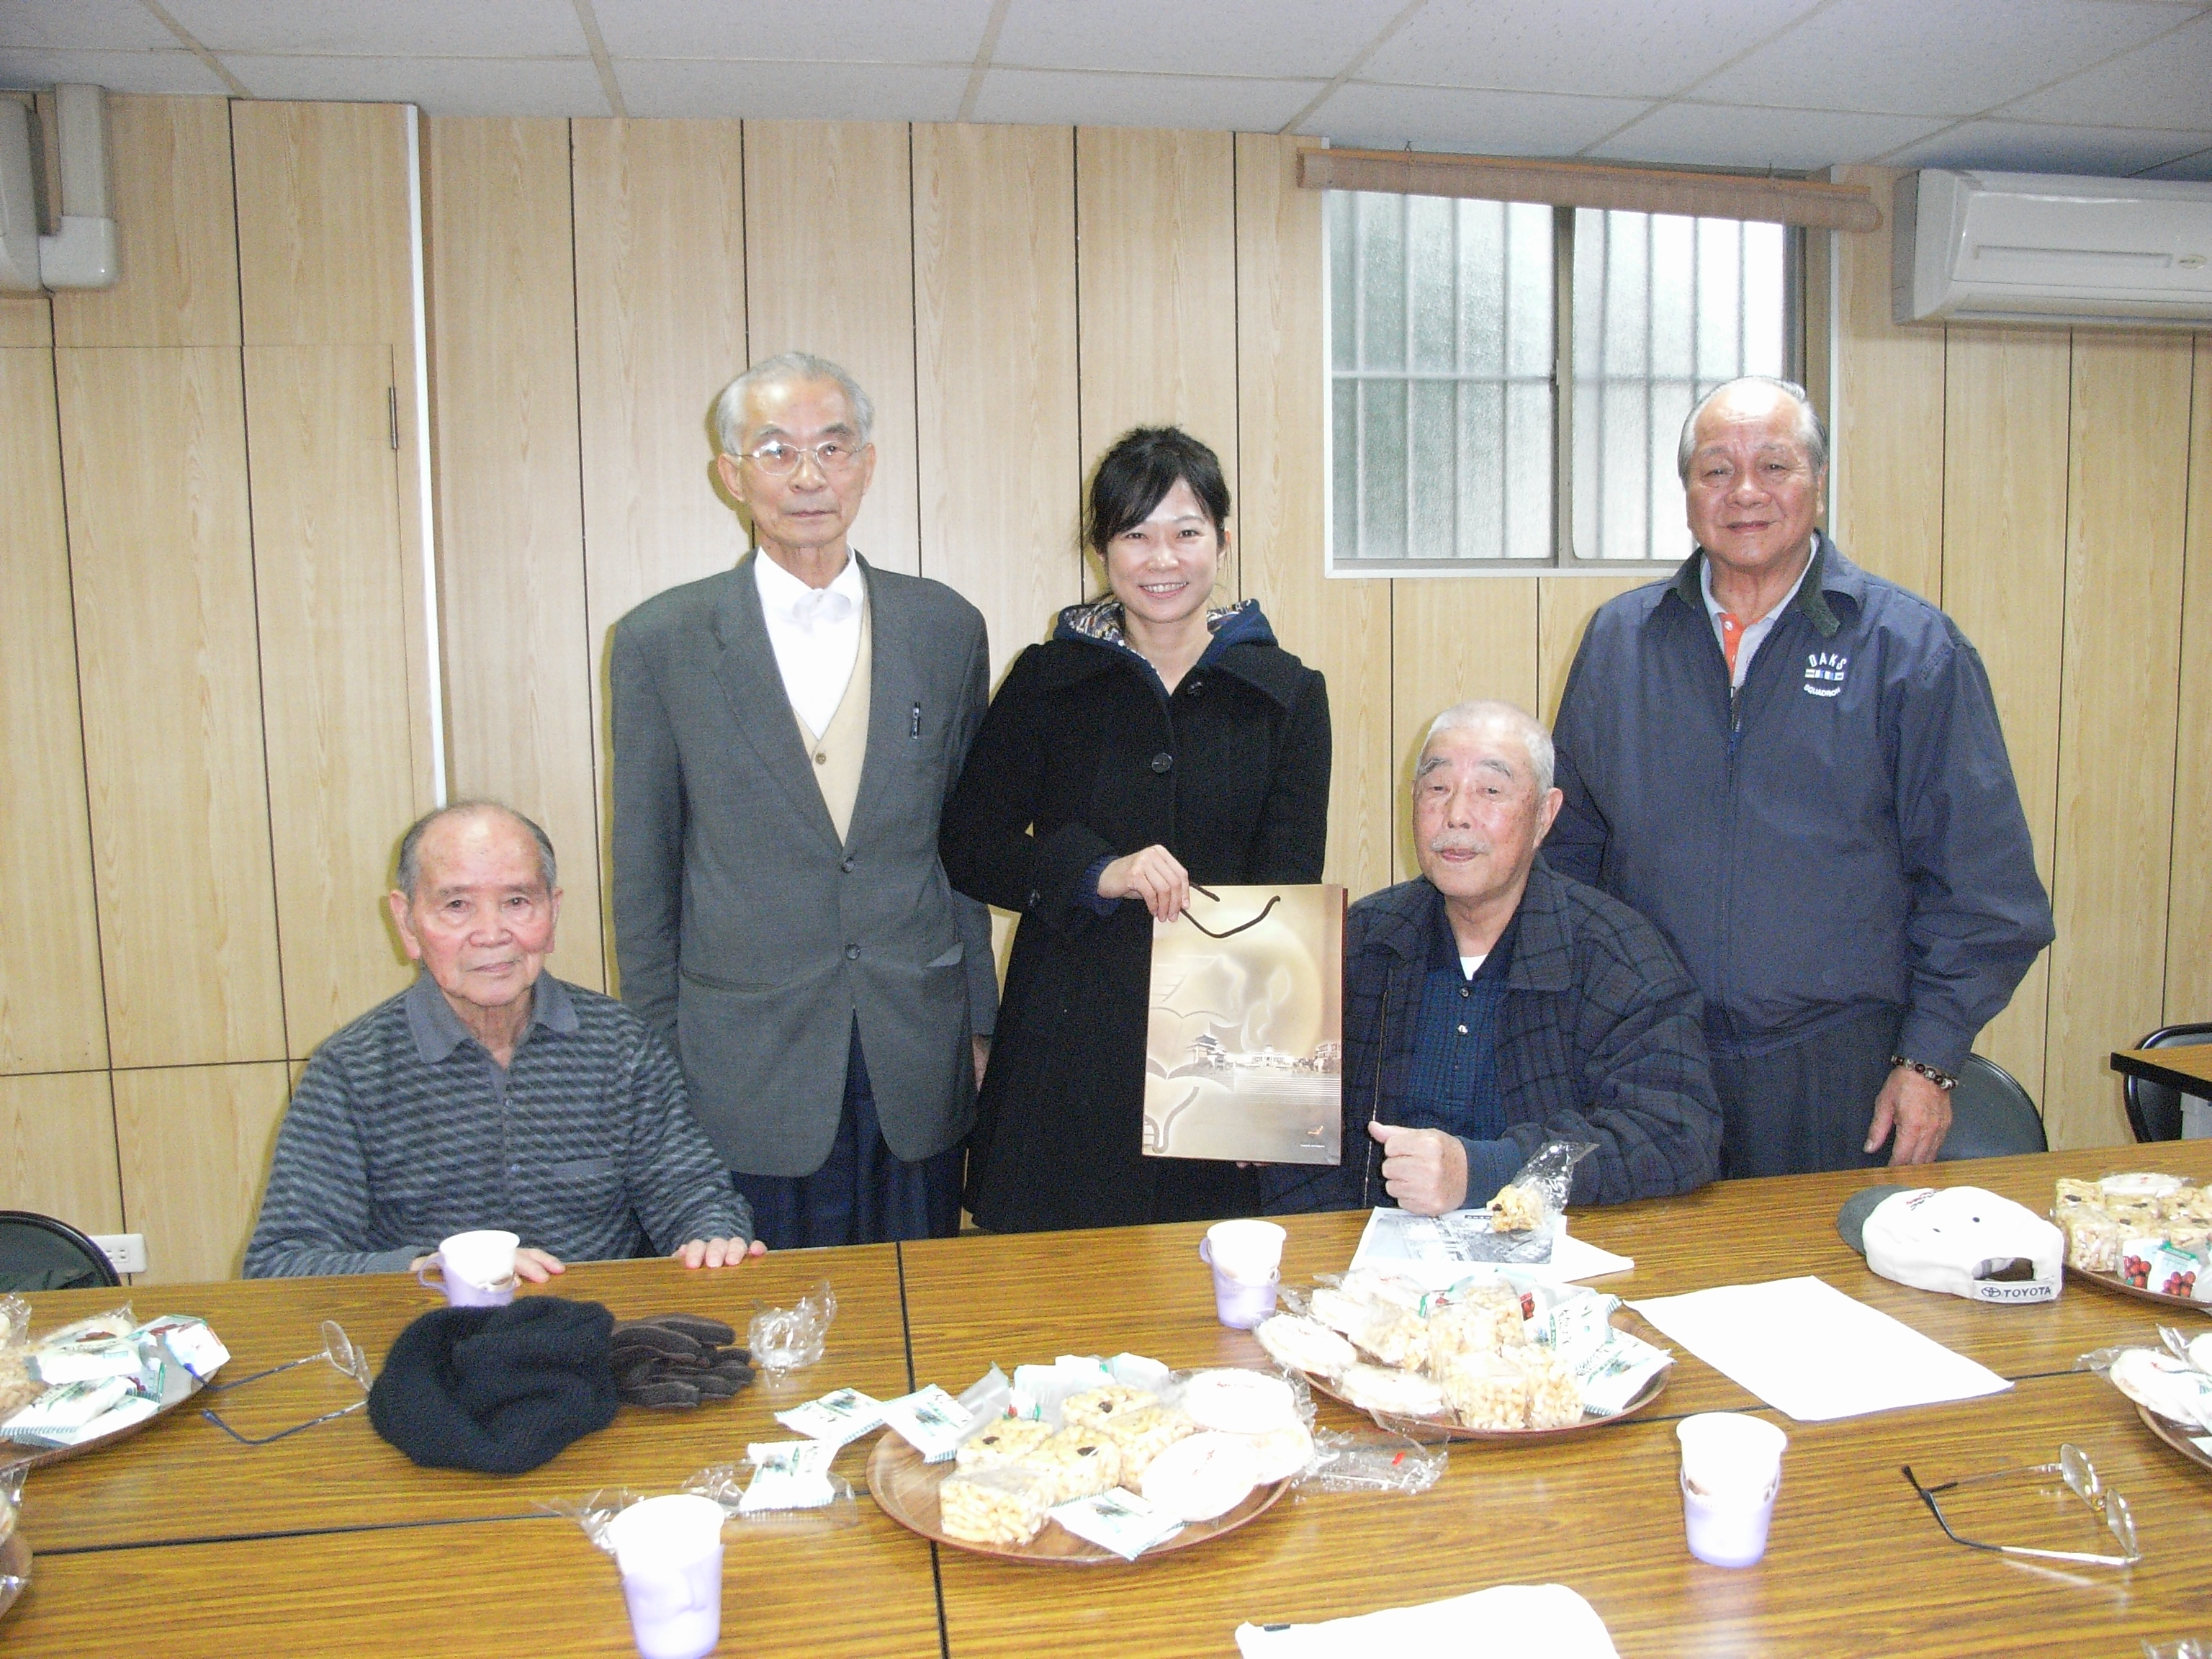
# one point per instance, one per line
(1452, 324)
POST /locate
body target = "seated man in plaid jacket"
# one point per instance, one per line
(1492, 1006)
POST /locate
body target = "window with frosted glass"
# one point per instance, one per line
(1448, 321)
(1441, 351)
(1665, 309)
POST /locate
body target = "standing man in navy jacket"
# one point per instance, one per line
(1796, 770)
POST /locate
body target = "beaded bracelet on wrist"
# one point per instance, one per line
(1941, 1080)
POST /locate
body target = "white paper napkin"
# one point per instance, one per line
(1505, 1618)
(1813, 1353)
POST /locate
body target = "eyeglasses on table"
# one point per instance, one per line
(2080, 1477)
(339, 1349)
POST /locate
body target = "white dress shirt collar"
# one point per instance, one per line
(815, 633)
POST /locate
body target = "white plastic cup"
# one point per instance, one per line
(669, 1551)
(475, 1269)
(1731, 1473)
(1249, 1252)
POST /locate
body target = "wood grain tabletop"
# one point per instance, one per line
(182, 1479)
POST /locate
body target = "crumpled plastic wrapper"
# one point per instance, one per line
(1377, 1460)
(785, 1339)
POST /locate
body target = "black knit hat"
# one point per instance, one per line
(501, 1390)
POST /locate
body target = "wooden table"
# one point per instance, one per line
(330, 1541)
(2187, 1068)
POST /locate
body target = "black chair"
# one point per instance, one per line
(38, 1253)
(2154, 1109)
(1991, 1114)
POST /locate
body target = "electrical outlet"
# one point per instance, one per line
(127, 1251)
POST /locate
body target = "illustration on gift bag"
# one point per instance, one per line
(1244, 1042)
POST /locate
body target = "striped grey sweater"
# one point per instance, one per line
(404, 1131)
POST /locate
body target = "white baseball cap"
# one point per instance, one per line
(1963, 1241)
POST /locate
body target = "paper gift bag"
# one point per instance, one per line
(1244, 1038)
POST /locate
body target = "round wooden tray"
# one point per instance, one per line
(905, 1488)
(1421, 1427)
(15, 1563)
(2114, 1282)
(2180, 1436)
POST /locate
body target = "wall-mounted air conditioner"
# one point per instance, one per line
(2044, 247)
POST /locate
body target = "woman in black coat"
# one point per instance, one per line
(1149, 743)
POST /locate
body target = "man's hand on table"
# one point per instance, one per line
(1920, 1113)
(719, 1252)
(1425, 1170)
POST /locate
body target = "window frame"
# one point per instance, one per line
(1563, 560)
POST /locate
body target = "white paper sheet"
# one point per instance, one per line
(1546, 1619)
(1813, 1353)
(1414, 1248)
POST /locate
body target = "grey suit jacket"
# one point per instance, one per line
(743, 931)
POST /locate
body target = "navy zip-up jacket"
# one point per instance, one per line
(1842, 833)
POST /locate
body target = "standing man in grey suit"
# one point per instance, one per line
(785, 736)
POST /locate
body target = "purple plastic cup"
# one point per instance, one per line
(1238, 1304)
(467, 1264)
(669, 1550)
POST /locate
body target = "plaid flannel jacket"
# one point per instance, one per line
(1601, 1039)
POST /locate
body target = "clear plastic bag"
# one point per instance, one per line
(1409, 1459)
(2157, 1380)
(2188, 1647)
(1537, 1197)
(785, 1339)
(18, 1387)
(749, 1494)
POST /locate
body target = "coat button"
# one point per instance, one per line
(1197, 686)
(851, 953)
(821, 759)
(1035, 900)
(850, 865)
(1162, 761)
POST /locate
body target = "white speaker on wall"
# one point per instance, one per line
(83, 252)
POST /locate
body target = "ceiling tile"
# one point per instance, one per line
(2168, 83)
(1056, 98)
(2024, 147)
(85, 25)
(442, 86)
(1291, 39)
(2198, 166)
(1933, 57)
(174, 70)
(1472, 123)
(791, 92)
(1724, 135)
(387, 28)
(1599, 47)
(775, 31)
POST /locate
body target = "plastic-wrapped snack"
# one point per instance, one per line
(1281, 1453)
(1239, 1401)
(1095, 1408)
(1401, 1394)
(1143, 1434)
(1537, 1195)
(1486, 1391)
(1306, 1344)
(18, 1387)
(2094, 1239)
(1487, 1321)
(1075, 1463)
(1006, 1506)
(1373, 1460)
(1555, 1398)
(1381, 1289)
(1342, 1311)
(1399, 1338)
(1009, 1440)
(1203, 1477)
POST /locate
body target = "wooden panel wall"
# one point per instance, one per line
(2049, 491)
(208, 638)
(212, 671)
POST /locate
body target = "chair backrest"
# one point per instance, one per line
(38, 1253)
(2153, 1109)
(1991, 1116)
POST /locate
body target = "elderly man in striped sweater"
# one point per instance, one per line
(489, 1094)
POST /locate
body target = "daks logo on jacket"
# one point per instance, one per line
(1824, 674)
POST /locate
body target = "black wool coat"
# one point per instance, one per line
(1083, 756)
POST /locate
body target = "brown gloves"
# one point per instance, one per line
(677, 1360)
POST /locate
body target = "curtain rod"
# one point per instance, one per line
(1594, 185)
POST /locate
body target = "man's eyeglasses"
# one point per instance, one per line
(833, 455)
(2080, 1476)
(339, 1349)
